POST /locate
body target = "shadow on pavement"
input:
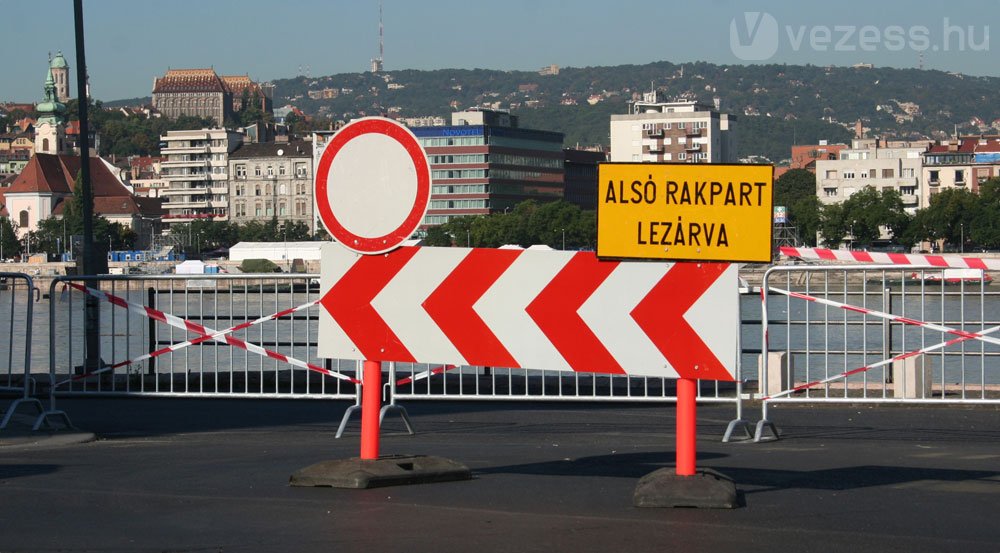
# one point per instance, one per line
(625, 465)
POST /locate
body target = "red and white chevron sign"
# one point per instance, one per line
(530, 309)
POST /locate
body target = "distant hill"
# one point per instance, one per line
(142, 101)
(776, 105)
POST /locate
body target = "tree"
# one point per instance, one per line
(983, 227)
(556, 224)
(796, 190)
(863, 216)
(793, 186)
(437, 236)
(9, 243)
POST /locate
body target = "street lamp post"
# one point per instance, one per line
(961, 227)
(563, 238)
(468, 239)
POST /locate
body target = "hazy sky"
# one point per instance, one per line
(131, 42)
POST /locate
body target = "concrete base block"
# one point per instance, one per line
(911, 378)
(779, 364)
(706, 489)
(391, 470)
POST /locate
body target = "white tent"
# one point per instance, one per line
(190, 267)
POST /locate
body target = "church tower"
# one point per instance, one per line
(50, 129)
(60, 74)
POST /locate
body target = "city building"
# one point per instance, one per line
(484, 163)
(685, 131)
(805, 156)
(145, 176)
(963, 163)
(203, 93)
(876, 163)
(580, 181)
(195, 165)
(272, 180)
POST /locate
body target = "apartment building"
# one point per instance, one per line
(685, 131)
(963, 163)
(877, 163)
(195, 166)
(272, 180)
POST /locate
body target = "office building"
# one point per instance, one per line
(485, 163)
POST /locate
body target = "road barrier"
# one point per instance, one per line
(157, 337)
(839, 327)
(21, 315)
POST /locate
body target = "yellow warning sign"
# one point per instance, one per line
(685, 211)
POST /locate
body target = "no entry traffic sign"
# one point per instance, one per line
(373, 185)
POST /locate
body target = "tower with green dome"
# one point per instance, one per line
(50, 129)
(60, 75)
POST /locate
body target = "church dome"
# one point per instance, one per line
(58, 62)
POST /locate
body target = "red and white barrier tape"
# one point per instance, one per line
(196, 341)
(425, 374)
(889, 316)
(205, 332)
(882, 363)
(856, 256)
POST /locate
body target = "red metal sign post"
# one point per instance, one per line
(372, 191)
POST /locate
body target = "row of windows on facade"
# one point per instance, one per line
(457, 204)
(189, 102)
(198, 143)
(833, 191)
(188, 172)
(521, 143)
(512, 174)
(301, 189)
(682, 156)
(669, 140)
(196, 157)
(269, 170)
(905, 172)
(498, 159)
(266, 209)
(680, 125)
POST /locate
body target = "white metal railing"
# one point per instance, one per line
(877, 333)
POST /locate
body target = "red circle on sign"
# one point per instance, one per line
(393, 238)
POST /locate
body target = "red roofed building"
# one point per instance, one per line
(42, 187)
(203, 93)
(963, 163)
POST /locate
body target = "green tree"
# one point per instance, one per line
(9, 243)
(863, 216)
(983, 229)
(437, 236)
(796, 190)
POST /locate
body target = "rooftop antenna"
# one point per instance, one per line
(377, 62)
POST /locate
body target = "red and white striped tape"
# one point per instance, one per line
(856, 256)
(889, 316)
(205, 332)
(182, 345)
(420, 376)
(882, 363)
